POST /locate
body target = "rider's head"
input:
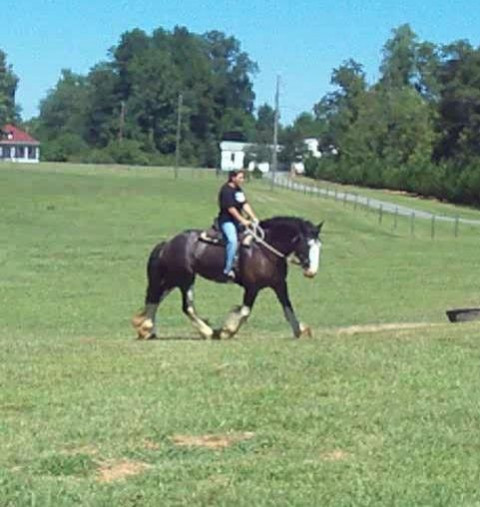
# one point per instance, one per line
(237, 176)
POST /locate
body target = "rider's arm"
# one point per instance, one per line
(249, 211)
(237, 216)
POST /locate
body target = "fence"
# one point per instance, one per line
(380, 208)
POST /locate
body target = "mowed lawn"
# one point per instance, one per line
(380, 407)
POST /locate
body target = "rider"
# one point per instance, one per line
(233, 203)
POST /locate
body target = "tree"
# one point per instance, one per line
(459, 103)
(8, 87)
(153, 98)
(339, 110)
(65, 107)
(399, 64)
(105, 110)
(134, 95)
(264, 124)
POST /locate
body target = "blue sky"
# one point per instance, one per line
(301, 40)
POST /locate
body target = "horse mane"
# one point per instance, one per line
(286, 222)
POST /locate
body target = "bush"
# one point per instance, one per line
(127, 151)
(98, 156)
(67, 147)
(257, 174)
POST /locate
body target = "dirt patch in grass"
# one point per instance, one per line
(377, 328)
(150, 444)
(110, 471)
(211, 441)
(335, 455)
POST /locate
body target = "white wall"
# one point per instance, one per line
(24, 160)
(232, 160)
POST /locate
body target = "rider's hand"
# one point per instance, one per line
(246, 223)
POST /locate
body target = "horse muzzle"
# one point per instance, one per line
(308, 273)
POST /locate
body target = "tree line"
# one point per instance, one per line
(416, 128)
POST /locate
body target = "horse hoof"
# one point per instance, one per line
(305, 331)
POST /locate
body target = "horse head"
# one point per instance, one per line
(297, 238)
(307, 247)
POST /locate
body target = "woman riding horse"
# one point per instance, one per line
(232, 203)
(175, 264)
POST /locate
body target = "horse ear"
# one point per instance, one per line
(319, 226)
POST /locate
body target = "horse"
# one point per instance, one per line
(175, 264)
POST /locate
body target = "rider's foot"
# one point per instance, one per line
(230, 276)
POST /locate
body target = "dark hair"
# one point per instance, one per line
(234, 173)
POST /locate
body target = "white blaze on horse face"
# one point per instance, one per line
(314, 255)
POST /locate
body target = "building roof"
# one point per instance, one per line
(13, 135)
(235, 146)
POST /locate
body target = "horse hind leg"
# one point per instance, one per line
(144, 322)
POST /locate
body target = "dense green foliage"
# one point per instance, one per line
(416, 129)
(358, 415)
(133, 99)
(9, 113)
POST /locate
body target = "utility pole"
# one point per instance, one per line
(275, 135)
(177, 140)
(122, 120)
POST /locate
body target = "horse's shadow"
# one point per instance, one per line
(178, 337)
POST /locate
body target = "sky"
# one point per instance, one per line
(298, 41)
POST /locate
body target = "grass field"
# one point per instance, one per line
(381, 407)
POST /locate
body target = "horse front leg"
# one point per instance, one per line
(189, 310)
(298, 328)
(238, 315)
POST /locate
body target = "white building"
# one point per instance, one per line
(233, 154)
(18, 146)
(312, 147)
(311, 144)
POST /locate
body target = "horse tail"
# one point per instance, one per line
(155, 274)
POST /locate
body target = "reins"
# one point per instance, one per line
(259, 235)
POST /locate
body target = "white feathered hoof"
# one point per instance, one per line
(143, 326)
(222, 334)
(305, 331)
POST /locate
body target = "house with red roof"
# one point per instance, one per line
(18, 146)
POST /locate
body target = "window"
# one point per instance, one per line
(31, 152)
(6, 152)
(20, 151)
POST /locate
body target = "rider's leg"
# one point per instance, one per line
(230, 233)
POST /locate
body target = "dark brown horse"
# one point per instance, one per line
(175, 263)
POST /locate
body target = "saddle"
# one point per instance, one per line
(214, 236)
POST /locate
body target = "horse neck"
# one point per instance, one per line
(280, 239)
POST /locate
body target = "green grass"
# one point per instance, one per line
(373, 417)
